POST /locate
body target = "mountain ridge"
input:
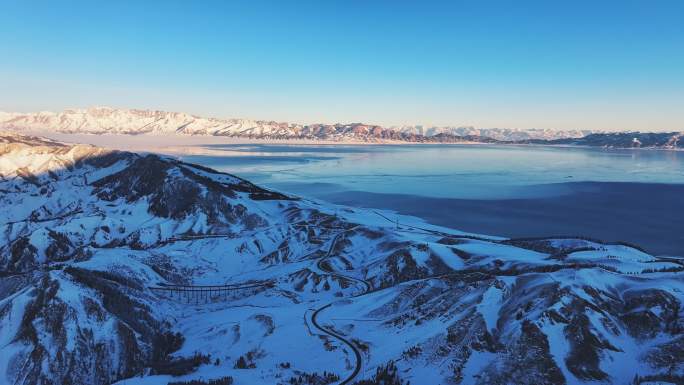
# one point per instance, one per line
(99, 120)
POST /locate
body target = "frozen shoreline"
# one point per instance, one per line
(612, 211)
(537, 216)
(180, 144)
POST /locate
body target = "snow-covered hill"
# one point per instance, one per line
(114, 268)
(135, 122)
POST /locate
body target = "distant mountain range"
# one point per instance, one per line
(666, 140)
(499, 134)
(101, 120)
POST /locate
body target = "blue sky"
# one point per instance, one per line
(520, 64)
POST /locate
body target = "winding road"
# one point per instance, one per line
(357, 353)
(330, 332)
(314, 317)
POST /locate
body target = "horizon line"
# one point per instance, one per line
(394, 127)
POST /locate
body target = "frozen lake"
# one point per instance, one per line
(441, 171)
(629, 195)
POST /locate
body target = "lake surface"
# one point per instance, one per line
(516, 191)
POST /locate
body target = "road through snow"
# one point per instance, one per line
(330, 332)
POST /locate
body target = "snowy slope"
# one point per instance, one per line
(92, 243)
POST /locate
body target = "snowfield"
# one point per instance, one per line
(126, 268)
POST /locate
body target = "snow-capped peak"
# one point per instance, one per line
(100, 120)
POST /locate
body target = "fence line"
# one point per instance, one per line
(206, 293)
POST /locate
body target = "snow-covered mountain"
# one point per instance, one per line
(143, 269)
(500, 134)
(101, 120)
(662, 140)
(135, 122)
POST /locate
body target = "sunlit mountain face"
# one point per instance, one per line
(101, 120)
(105, 120)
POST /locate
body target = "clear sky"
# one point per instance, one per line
(546, 64)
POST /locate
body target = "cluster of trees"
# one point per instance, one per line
(246, 361)
(180, 366)
(412, 352)
(314, 378)
(385, 375)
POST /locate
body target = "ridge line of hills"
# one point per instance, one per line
(103, 120)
